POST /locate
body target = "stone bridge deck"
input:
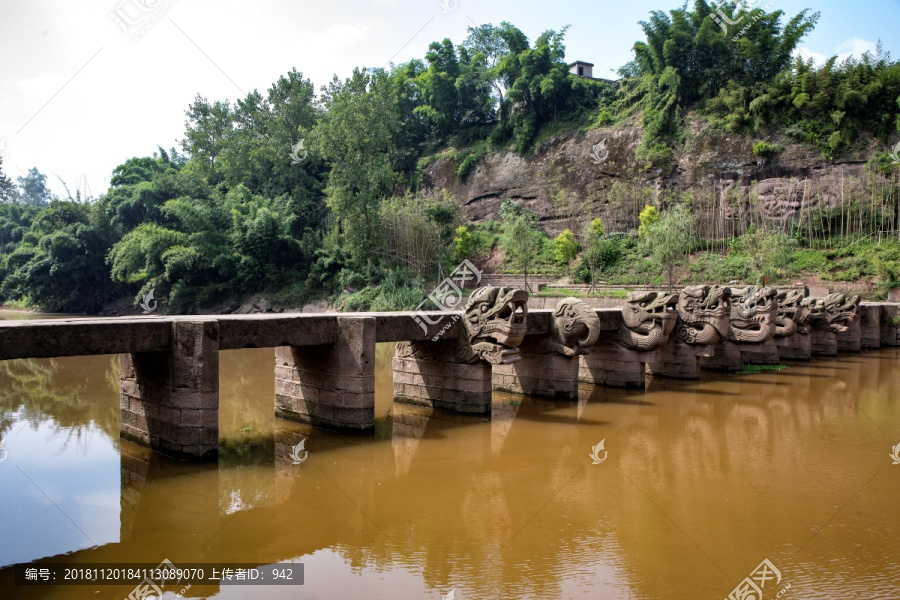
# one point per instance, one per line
(325, 365)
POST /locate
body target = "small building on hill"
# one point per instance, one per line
(582, 69)
(579, 68)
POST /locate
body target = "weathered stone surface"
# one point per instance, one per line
(574, 329)
(648, 319)
(494, 323)
(851, 339)
(612, 364)
(823, 343)
(452, 387)
(768, 354)
(678, 360)
(83, 337)
(331, 386)
(272, 331)
(703, 314)
(548, 364)
(870, 325)
(753, 315)
(538, 373)
(792, 314)
(890, 324)
(795, 347)
(169, 400)
(833, 312)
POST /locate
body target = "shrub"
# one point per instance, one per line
(648, 217)
(565, 248)
(765, 149)
(464, 243)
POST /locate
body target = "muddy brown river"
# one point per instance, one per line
(696, 485)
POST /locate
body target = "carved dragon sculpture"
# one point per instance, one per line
(753, 313)
(703, 313)
(493, 326)
(647, 320)
(575, 328)
(833, 312)
(792, 314)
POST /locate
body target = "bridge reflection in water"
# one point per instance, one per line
(703, 480)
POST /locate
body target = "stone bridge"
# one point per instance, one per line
(325, 363)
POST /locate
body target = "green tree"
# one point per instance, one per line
(33, 188)
(7, 187)
(670, 239)
(59, 263)
(593, 233)
(770, 253)
(356, 136)
(521, 240)
(463, 243)
(207, 132)
(649, 216)
(565, 249)
(687, 57)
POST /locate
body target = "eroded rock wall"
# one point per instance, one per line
(731, 186)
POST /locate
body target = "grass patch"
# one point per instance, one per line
(754, 369)
(558, 293)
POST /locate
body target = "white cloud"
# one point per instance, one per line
(855, 47)
(806, 54)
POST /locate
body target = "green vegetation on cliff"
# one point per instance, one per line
(324, 196)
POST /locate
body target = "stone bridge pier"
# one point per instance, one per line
(325, 363)
(614, 365)
(427, 374)
(870, 326)
(169, 399)
(330, 385)
(679, 360)
(538, 374)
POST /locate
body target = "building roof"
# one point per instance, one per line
(581, 62)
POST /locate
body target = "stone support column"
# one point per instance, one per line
(609, 363)
(169, 400)
(431, 377)
(538, 374)
(331, 386)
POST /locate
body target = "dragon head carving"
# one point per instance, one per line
(833, 313)
(493, 325)
(753, 315)
(575, 328)
(792, 314)
(647, 320)
(703, 313)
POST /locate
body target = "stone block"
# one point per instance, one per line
(331, 386)
(890, 331)
(610, 363)
(460, 388)
(678, 360)
(850, 340)
(823, 343)
(765, 353)
(870, 325)
(172, 395)
(541, 375)
(795, 347)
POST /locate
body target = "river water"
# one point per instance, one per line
(701, 482)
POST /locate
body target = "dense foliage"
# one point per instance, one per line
(322, 194)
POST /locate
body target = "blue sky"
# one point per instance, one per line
(78, 97)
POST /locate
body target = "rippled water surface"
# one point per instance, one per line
(702, 481)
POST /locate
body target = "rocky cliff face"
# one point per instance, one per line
(598, 171)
